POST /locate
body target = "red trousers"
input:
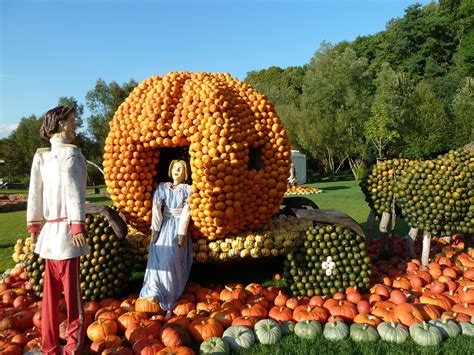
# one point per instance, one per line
(62, 275)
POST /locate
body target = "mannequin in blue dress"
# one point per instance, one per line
(170, 255)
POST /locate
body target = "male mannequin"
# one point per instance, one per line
(57, 194)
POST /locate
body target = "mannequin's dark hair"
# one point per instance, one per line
(51, 120)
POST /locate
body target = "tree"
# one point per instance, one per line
(379, 128)
(103, 101)
(387, 107)
(463, 112)
(424, 126)
(24, 141)
(336, 102)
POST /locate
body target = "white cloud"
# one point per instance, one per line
(6, 129)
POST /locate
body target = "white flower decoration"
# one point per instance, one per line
(328, 265)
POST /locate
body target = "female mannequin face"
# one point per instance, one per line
(67, 128)
(177, 173)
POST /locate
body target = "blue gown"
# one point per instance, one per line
(168, 265)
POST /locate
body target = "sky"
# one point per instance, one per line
(54, 48)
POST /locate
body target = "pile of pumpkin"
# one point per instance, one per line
(300, 190)
(435, 195)
(239, 151)
(274, 239)
(327, 259)
(429, 305)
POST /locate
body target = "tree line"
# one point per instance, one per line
(407, 91)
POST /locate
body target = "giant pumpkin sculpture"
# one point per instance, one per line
(239, 151)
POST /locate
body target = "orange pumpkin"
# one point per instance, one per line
(354, 297)
(195, 314)
(308, 312)
(208, 306)
(226, 316)
(280, 314)
(174, 335)
(466, 295)
(142, 329)
(438, 300)
(408, 314)
(147, 306)
(342, 308)
(367, 319)
(397, 297)
(101, 328)
(385, 310)
(91, 307)
(183, 307)
(463, 308)
(401, 282)
(204, 329)
(254, 310)
(126, 319)
(248, 322)
(429, 311)
(280, 299)
(458, 317)
(226, 125)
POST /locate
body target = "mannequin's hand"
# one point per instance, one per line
(181, 239)
(34, 237)
(154, 236)
(79, 240)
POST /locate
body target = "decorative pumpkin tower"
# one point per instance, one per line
(238, 151)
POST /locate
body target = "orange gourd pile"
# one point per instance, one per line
(299, 190)
(403, 292)
(239, 151)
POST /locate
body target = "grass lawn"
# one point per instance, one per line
(340, 195)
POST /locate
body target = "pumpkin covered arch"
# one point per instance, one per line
(239, 151)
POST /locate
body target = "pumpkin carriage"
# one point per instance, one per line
(229, 133)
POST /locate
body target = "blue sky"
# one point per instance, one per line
(53, 48)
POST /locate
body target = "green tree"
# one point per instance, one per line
(103, 101)
(392, 90)
(463, 111)
(24, 141)
(379, 128)
(424, 126)
(336, 101)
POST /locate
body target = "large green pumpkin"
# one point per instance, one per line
(425, 334)
(447, 327)
(336, 331)
(467, 328)
(363, 333)
(393, 332)
(268, 331)
(238, 337)
(214, 346)
(308, 329)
